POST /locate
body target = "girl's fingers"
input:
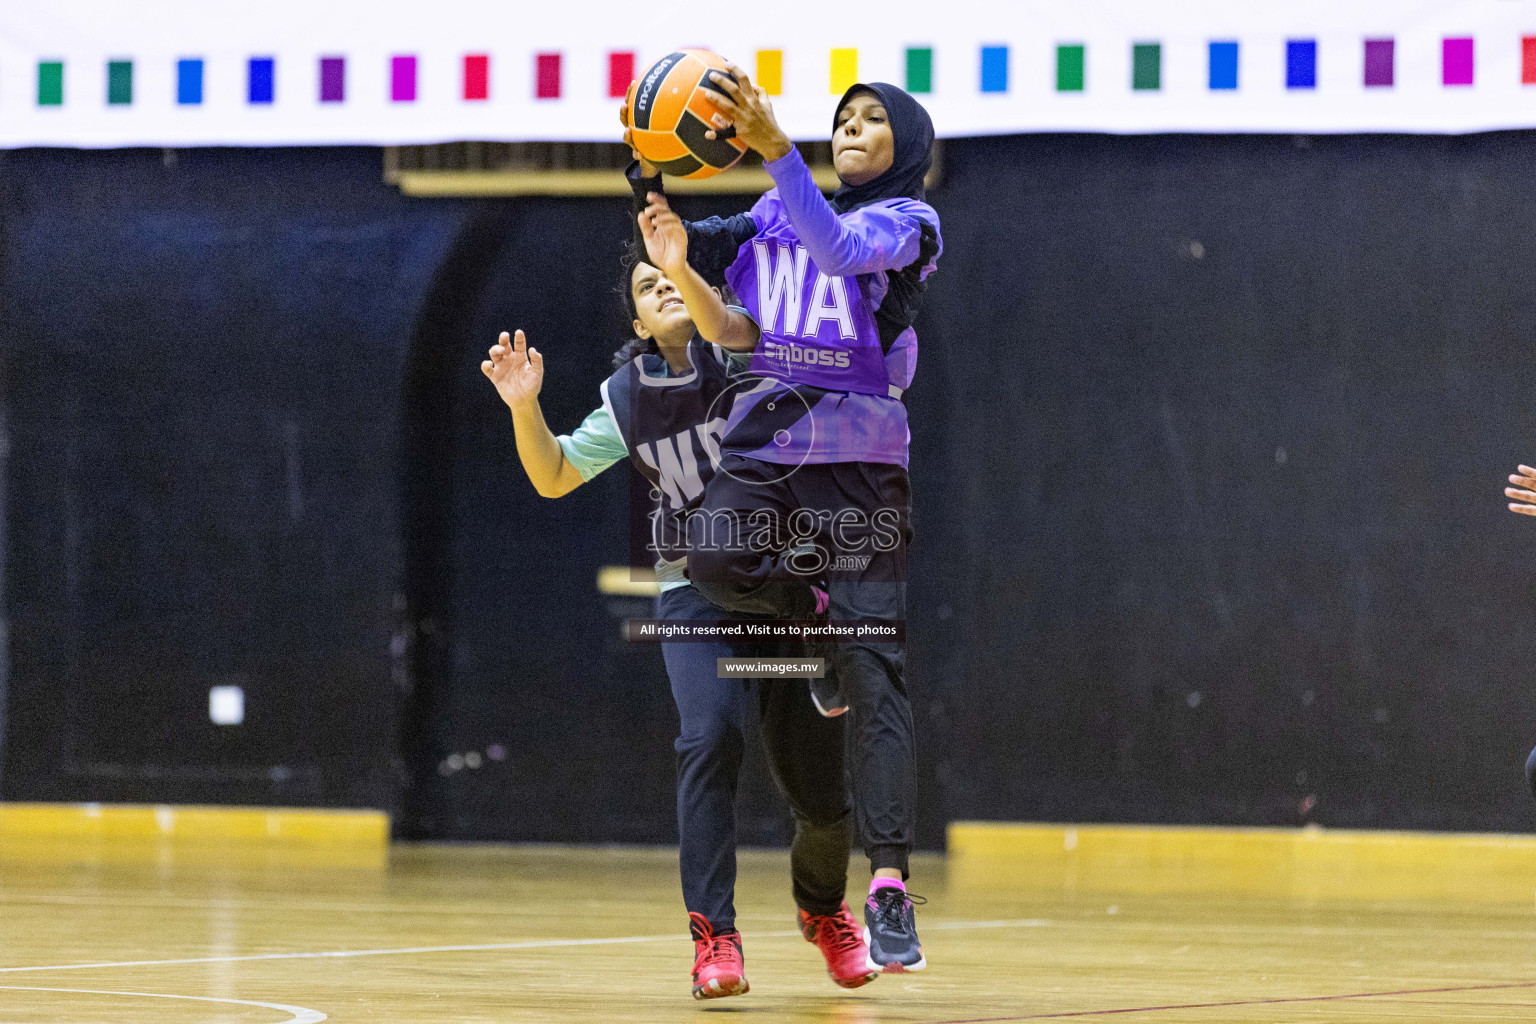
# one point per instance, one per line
(1525, 510)
(1526, 471)
(732, 89)
(536, 359)
(1519, 495)
(487, 369)
(727, 104)
(728, 109)
(1522, 481)
(741, 76)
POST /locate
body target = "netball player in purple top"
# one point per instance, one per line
(817, 449)
(662, 409)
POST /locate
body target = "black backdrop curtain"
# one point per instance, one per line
(1209, 436)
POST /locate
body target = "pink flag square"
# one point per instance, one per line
(1456, 61)
(402, 79)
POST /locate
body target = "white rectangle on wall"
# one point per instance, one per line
(105, 73)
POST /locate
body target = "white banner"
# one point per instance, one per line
(279, 72)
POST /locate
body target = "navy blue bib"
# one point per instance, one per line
(672, 426)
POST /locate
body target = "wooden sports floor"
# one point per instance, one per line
(1043, 923)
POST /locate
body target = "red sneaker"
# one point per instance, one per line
(841, 941)
(717, 964)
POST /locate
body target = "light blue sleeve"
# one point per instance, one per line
(736, 362)
(595, 445)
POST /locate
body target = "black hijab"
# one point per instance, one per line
(912, 133)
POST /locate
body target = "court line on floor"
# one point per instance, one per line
(300, 1014)
(1458, 1002)
(1242, 1002)
(342, 954)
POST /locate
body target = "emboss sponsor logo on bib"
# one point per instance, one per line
(789, 352)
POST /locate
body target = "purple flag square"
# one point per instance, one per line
(333, 79)
(1456, 61)
(402, 79)
(1378, 62)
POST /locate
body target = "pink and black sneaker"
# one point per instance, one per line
(890, 929)
(841, 943)
(718, 969)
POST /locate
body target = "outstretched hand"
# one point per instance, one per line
(751, 113)
(1523, 492)
(516, 370)
(666, 239)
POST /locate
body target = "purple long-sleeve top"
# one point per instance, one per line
(835, 295)
(815, 281)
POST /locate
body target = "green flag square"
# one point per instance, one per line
(120, 82)
(50, 83)
(919, 69)
(1069, 67)
(1147, 66)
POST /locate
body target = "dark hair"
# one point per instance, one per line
(632, 257)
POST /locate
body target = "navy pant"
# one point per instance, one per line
(805, 757)
(862, 561)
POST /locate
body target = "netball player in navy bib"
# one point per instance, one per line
(819, 445)
(664, 408)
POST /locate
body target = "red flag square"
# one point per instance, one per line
(549, 76)
(621, 71)
(477, 77)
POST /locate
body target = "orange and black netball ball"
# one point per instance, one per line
(672, 105)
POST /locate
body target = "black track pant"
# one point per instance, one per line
(763, 533)
(805, 757)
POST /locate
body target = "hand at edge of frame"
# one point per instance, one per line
(1524, 491)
